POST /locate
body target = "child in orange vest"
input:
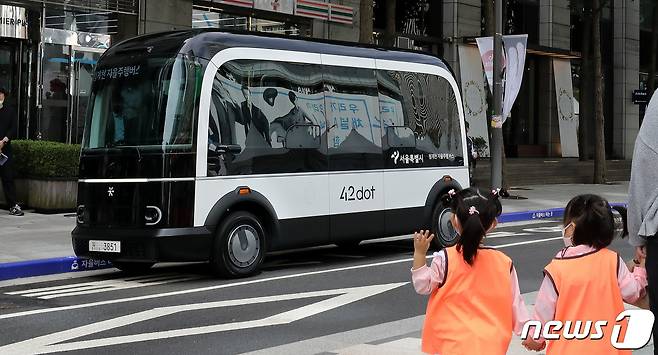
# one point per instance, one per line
(474, 303)
(586, 281)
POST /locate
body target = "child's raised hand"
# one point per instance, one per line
(422, 241)
(533, 345)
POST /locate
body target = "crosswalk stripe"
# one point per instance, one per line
(52, 288)
(86, 288)
(124, 287)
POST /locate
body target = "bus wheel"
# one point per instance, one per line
(444, 233)
(239, 246)
(132, 267)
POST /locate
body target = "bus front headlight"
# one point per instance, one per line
(152, 215)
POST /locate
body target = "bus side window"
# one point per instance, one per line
(221, 125)
(425, 104)
(354, 127)
(259, 105)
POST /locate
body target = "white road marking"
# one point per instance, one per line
(494, 235)
(240, 283)
(524, 243)
(86, 288)
(50, 343)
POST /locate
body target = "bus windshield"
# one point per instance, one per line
(143, 102)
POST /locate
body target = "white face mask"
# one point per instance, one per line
(567, 240)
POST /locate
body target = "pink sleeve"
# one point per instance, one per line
(427, 279)
(519, 310)
(545, 303)
(631, 284)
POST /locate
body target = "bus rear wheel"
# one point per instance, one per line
(132, 267)
(444, 233)
(239, 246)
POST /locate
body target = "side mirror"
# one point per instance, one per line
(302, 136)
(228, 148)
(400, 137)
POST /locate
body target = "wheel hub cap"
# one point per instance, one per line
(243, 245)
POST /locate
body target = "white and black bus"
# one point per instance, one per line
(207, 145)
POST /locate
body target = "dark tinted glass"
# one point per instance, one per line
(420, 119)
(354, 133)
(148, 102)
(266, 117)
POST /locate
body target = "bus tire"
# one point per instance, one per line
(132, 267)
(239, 246)
(444, 234)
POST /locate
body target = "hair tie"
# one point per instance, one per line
(495, 192)
(473, 210)
(452, 193)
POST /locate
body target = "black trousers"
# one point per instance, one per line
(652, 275)
(7, 176)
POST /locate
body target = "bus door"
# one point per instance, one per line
(354, 149)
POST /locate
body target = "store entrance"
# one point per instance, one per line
(67, 78)
(14, 76)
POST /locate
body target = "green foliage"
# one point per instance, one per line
(480, 145)
(45, 159)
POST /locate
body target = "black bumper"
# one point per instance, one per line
(148, 245)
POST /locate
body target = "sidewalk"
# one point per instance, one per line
(40, 236)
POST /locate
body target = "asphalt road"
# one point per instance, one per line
(321, 300)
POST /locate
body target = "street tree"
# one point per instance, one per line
(366, 19)
(590, 10)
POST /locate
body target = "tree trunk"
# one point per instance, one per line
(599, 155)
(585, 114)
(496, 143)
(488, 15)
(390, 30)
(654, 48)
(365, 21)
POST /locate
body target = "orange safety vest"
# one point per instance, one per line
(471, 313)
(587, 290)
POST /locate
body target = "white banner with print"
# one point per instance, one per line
(513, 66)
(283, 6)
(485, 45)
(515, 50)
(474, 96)
(566, 113)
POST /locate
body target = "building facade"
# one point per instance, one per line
(48, 51)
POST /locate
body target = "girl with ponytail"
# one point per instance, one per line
(475, 303)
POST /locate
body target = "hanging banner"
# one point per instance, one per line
(485, 44)
(474, 96)
(282, 6)
(513, 66)
(566, 112)
(515, 51)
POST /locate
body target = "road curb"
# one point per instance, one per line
(538, 214)
(66, 264)
(41, 267)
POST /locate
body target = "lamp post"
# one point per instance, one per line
(497, 119)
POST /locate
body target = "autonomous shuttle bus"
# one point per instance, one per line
(203, 145)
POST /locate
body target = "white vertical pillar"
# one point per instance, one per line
(626, 66)
(461, 18)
